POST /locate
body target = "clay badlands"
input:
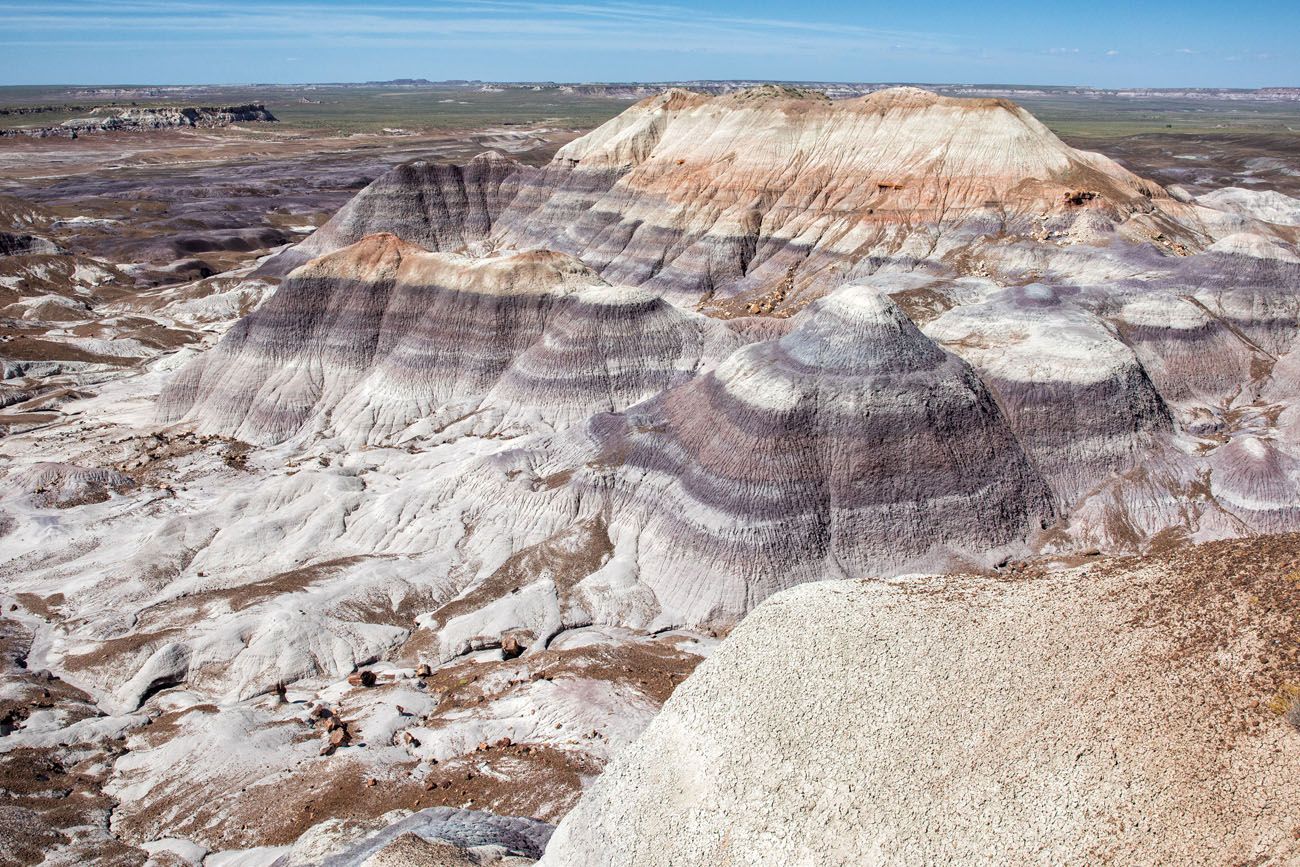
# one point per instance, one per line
(963, 463)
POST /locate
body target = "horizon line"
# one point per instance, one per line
(413, 82)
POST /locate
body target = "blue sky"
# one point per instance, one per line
(1108, 43)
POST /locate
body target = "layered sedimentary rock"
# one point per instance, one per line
(1132, 714)
(852, 444)
(382, 335)
(145, 117)
(772, 193)
(1077, 397)
(734, 195)
(1268, 205)
(1210, 331)
(436, 206)
(512, 484)
(65, 485)
(780, 439)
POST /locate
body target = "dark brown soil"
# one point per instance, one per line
(51, 799)
(1228, 595)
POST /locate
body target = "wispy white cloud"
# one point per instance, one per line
(575, 39)
(606, 26)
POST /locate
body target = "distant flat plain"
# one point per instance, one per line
(335, 109)
(444, 107)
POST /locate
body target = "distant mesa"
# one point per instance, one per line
(403, 82)
(112, 118)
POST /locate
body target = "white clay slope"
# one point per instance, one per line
(1102, 714)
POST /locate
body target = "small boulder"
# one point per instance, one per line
(340, 737)
(511, 648)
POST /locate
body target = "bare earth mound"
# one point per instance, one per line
(1141, 712)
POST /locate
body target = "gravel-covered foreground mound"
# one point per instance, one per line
(1146, 712)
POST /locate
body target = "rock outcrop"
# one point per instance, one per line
(437, 837)
(682, 323)
(436, 206)
(448, 516)
(145, 117)
(65, 485)
(1077, 397)
(1267, 205)
(112, 118)
(15, 244)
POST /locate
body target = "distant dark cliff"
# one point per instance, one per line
(110, 118)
